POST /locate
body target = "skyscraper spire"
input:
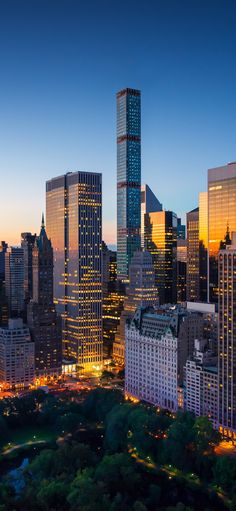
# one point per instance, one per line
(42, 223)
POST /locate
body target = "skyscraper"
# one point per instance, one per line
(3, 298)
(161, 242)
(181, 230)
(203, 245)
(227, 339)
(74, 225)
(141, 292)
(44, 323)
(193, 255)
(27, 243)
(149, 203)
(14, 280)
(222, 217)
(181, 269)
(128, 178)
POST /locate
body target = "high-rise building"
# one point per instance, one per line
(74, 225)
(151, 352)
(222, 217)
(3, 298)
(27, 243)
(149, 204)
(141, 292)
(227, 339)
(113, 295)
(203, 245)
(14, 280)
(128, 178)
(193, 255)
(181, 230)
(161, 242)
(181, 269)
(44, 323)
(16, 355)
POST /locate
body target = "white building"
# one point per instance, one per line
(151, 349)
(16, 355)
(201, 382)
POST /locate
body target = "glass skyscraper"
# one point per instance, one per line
(128, 178)
(160, 233)
(221, 217)
(74, 225)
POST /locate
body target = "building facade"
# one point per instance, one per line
(181, 269)
(161, 242)
(222, 217)
(151, 350)
(14, 280)
(27, 244)
(193, 255)
(16, 355)
(113, 296)
(203, 246)
(227, 340)
(44, 323)
(149, 203)
(128, 178)
(74, 225)
(201, 382)
(141, 292)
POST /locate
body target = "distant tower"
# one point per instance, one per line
(161, 242)
(193, 255)
(149, 203)
(141, 292)
(128, 178)
(27, 243)
(45, 325)
(14, 280)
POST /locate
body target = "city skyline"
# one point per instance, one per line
(52, 110)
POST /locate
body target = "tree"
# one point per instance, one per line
(100, 402)
(225, 473)
(118, 472)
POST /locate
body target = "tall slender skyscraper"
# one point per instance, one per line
(128, 178)
(74, 225)
(193, 255)
(222, 217)
(203, 245)
(227, 339)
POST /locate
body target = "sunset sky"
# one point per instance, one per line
(62, 63)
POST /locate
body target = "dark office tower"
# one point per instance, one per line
(193, 255)
(203, 245)
(181, 230)
(149, 203)
(227, 339)
(14, 280)
(161, 241)
(3, 249)
(222, 216)
(74, 225)
(128, 178)
(181, 269)
(113, 295)
(27, 243)
(44, 324)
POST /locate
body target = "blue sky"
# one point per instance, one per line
(61, 63)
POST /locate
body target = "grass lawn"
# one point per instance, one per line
(28, 434)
